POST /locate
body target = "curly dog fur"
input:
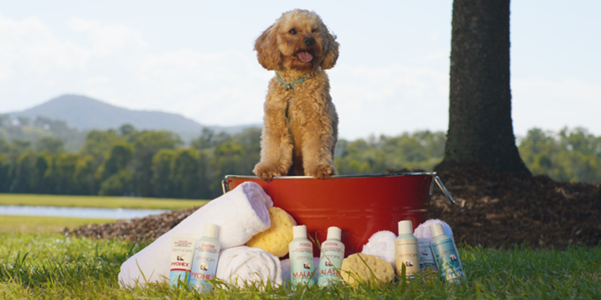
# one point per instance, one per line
(300, 126)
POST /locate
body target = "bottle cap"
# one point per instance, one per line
(405, 227)
(211, 230)
(436, 229)
(334, 233)
(299, 231)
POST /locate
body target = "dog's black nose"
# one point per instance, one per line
(309, 41)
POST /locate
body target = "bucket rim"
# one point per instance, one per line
(338, 176)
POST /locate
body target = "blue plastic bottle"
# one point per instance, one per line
(446, 255)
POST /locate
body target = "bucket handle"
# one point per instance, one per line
(225, 186)
(444, 189)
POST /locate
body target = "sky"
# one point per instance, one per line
(196, 58)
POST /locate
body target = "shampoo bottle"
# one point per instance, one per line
(206, 256)
(406, 251)
(446, 255)
(330, 261)
(301, 258)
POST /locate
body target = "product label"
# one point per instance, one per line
(301, 263)
(447, 259)
(204, 266)
(330, 262)
(407, 255)
(427, 260)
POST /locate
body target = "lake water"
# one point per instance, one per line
(78, 212)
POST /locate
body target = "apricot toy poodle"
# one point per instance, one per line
(300, 126)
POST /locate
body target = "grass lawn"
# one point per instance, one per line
(50, 266)
(97, 201)
(39, 224)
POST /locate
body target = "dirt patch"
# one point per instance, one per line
(136, 230)
(500, 210)
(493, 210)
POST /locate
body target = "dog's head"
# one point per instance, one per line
(299, 41)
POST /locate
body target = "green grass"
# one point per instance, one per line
(45, 266)
(39, 224)
(97, 201)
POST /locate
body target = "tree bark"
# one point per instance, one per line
(480, 125)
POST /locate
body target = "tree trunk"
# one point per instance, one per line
(480, 125)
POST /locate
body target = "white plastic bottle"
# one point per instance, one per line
(406, 251)
(446, 255)
(330, 262)
(206, 257)
(301, 258)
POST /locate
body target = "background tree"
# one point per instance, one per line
(23, 174)
(5, 172)
(146, 145)
(63, 173)
(49, 144)
(41, 182)
(161, 173)
(117, 159)
(84, 178)
(185, 173)
(480, 126)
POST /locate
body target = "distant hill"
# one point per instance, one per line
(86, 113)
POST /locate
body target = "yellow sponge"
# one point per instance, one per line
(276, 238)
(356, 269)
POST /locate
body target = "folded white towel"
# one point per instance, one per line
(381, 244)
(240, 214)
(243, 266)
(286, 269)
(423, 230)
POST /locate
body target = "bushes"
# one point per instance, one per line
(155, 163)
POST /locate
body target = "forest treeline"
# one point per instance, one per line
(129, 162)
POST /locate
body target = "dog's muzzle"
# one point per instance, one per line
(309, 41)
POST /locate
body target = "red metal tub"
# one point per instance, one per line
(360, 205)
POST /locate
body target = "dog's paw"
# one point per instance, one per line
(266, 171)
(321, 171)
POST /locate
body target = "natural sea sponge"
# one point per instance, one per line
(276, 238)
(356, 269)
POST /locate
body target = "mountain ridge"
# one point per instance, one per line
(86, 113)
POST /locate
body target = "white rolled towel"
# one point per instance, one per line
(423, 230)
(381, 244)
(240, 214)
(243, 266)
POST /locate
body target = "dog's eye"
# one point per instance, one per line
(314, 30)
(292, 31)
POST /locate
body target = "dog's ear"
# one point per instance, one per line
(331, 50)
(267, 49)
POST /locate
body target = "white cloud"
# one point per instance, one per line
(389, 100)
(115, 64)
(548, 104)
